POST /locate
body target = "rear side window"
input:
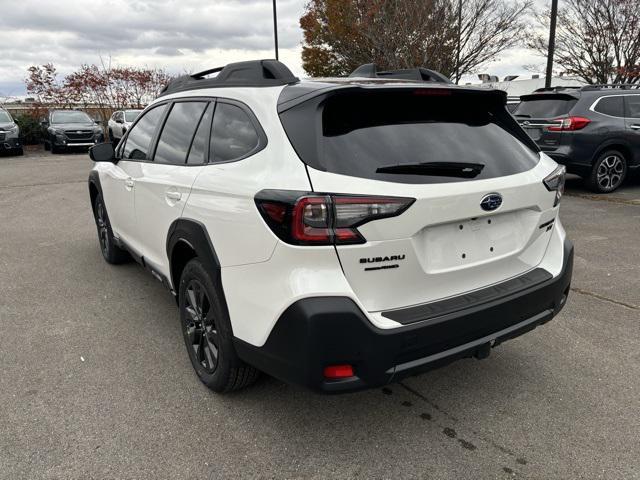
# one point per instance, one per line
(199, 147)
(633, 106)
(233, 135)
(374, 135)
(613, 106)
(178, 132)
(544, 106)
(139, 138)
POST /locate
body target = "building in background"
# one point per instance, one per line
(516, 85)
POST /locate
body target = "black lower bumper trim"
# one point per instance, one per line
(431, 311)
(316, 332)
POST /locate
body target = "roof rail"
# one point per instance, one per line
(420, 74)
(556, 89)
(606, 86)
(253, 73)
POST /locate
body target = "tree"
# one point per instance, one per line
(597, 40)
(340, 35)
(100, 87)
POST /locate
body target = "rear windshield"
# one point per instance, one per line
(357, 134)
(544, 107)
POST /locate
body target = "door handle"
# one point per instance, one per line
(635, 126)
(129, 183)
(173, 195)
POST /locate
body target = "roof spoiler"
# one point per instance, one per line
(419, 74)
(253, 73)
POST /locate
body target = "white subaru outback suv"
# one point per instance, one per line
(336, 233)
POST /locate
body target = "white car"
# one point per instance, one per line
(341, 233)
(120, 122)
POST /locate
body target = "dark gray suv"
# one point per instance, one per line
(593, 130)
(9, 134)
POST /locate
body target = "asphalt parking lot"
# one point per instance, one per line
(96, 382)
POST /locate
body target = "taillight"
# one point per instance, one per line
(302, 218)
(569, 124)
(555, 182)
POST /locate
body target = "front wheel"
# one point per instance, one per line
(608, 173)
(207, 332)
(110, 251)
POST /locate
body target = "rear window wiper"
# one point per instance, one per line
(436, 169)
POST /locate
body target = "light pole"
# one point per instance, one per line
(275, 28)
(459, 41)
(552, 43)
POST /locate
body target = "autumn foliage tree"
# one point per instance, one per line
(450, 36)
(596, 40)
(101, 87)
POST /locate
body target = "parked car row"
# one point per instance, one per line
(66, 129)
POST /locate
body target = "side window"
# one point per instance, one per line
(178, 132)
(198, 152)
(613, 106)
(233, 135)
(633, 106)
(139, 139)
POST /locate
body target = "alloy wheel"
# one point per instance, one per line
(200, 327)
(103, 232)
(610, 172)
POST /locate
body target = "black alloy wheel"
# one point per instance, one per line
(201, 333)
(207, 331)
(110, 251)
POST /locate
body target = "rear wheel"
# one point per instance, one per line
(110, 251)
(207, 332)
(608, 173)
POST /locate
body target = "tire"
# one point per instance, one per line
(212, 355)
(110, 251)
(47, 147)
(55, 149)
(19, 152)
(608, 173)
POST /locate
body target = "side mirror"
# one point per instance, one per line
(103, 152)
(97, 122)
(44, 123)
(119, 120)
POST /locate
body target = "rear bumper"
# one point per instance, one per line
(320, 331)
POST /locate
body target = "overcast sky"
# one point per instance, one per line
(186, 35)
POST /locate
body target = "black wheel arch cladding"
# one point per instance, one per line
(194, 234)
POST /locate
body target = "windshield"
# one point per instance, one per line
(544, 107)
(383, 135)
(131, 115)
(5, 117)
(70, 117)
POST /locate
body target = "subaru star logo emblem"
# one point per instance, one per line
(491, 201)
(79, 131)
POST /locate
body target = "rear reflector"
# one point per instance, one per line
(334, 372)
